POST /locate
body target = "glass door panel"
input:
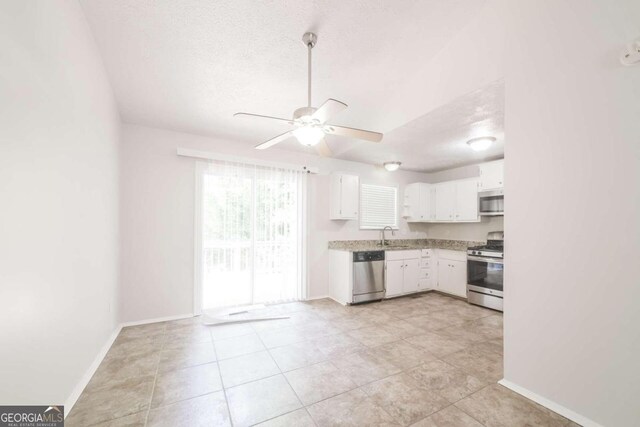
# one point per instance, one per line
(226, 241)
(252, 239)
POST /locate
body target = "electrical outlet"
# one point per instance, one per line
(631, 54)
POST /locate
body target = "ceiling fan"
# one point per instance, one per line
(310, 123)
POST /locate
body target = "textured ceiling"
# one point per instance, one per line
(188, 65)
(438, 139)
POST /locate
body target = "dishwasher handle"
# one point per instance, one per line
(368, 256)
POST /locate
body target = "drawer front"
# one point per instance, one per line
(426, 253)
(452, 255)
(425, 263)
(425, 273)
(395, 255)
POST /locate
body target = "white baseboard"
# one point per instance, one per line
(79, 388)
(319, 297)
(157, 319)
(555, 407)
(77, 391)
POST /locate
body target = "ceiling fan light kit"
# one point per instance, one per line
(482, 143)
(311, 123)
(392, 166)
(308, 135)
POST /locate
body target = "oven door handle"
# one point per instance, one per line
(487, 260)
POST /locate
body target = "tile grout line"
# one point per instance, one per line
(155, 377)
(268, 351)
(191, 397)
(224, 390)
(470, 415)
(344, 332)
(490, 383)
(284, 376)
(398, 373)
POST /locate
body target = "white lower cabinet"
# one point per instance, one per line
(402, 272)
(427, 275)
(394, 280)
(408, 272)
(452, 272)
(411, 275)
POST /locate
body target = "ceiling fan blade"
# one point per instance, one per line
(273, 141)
(367, 135)
(322, 148)
(330, 108)
(289, 121)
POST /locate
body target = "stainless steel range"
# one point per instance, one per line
(485, 268)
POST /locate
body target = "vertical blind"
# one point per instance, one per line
(378, 206)
(252, 234)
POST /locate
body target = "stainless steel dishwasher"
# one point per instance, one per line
(368, 276)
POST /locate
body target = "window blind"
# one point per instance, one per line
(378, 206)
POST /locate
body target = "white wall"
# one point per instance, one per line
(572, 316)
(59, 138)
(476, 231)
(157, 211)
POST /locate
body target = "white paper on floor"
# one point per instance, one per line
(241, 314)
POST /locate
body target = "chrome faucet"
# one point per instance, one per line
(383, 240)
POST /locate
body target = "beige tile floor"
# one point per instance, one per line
(427, 360)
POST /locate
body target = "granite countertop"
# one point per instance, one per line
(402, 245)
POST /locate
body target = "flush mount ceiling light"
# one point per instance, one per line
(482, 143)
(392, 166)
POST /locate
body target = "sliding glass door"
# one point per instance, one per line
(251, 234)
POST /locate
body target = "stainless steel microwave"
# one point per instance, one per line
(491, 203)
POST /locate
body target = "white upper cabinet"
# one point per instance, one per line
(419, 204)
(445, 201)
(466, 200)
(457, 200)
(491, 176)
(432, 202)
(449, 201)
(344, 196)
